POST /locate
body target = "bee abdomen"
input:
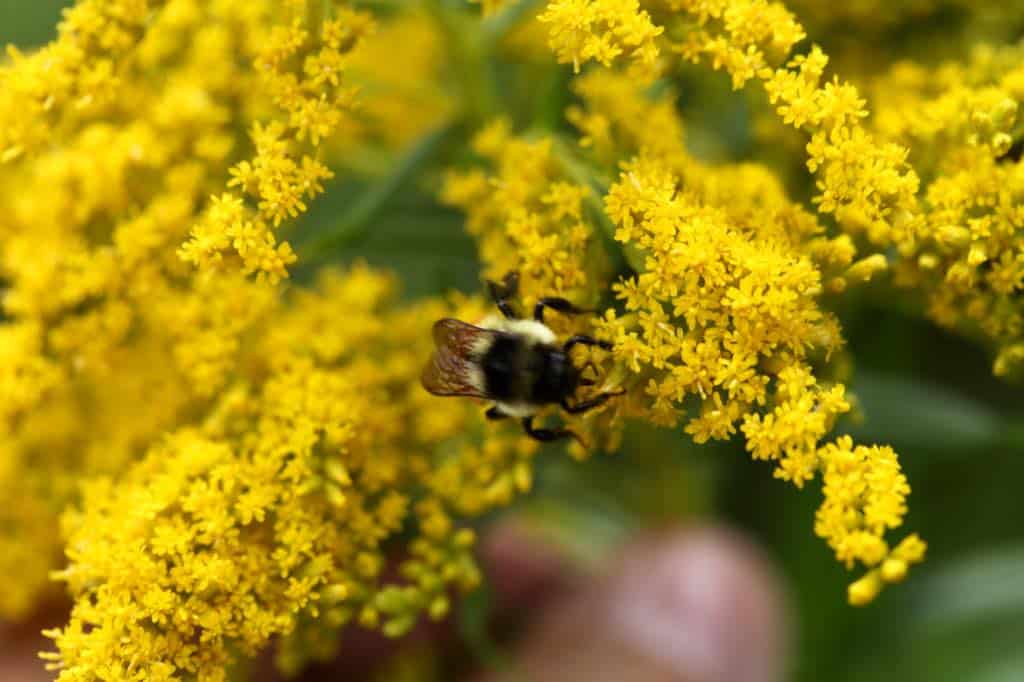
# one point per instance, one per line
(556, 380)
(502, 366)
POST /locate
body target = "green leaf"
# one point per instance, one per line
(957, 621)
(423, 243)
(356, 223)
(915, 413)
(983, 586)
(28, 24)
(473, 618)
(1010, 670)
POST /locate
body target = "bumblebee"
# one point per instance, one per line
(516, 363)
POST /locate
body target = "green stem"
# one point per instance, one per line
(495, 27)
(355, 223)
(1014, 435)
(471, 60)
(552, 100)
(474, 615)
(316, 12)
(583, 174)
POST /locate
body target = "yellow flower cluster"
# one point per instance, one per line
(864, 496)
(602, 31)
(284, 442)
(718, 328)
(240, 462)
(94, 422)
(528, 216)
(300, 70)
(744, 37)
(79, 72)
(614, 121)
(708, 281)
(958, 122)
(967, 256)
(95, 301)
(267, 516)
(723, 323)
(866, 184)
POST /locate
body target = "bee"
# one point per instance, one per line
(516, 363)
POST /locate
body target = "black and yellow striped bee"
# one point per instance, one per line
(516, 363)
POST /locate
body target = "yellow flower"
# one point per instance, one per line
(615, 120)
(300, 70)
(228, 460)
(719, 331)
(96, 307)
(602, 31)
(76, 72)
(528, 216)
(967, 255)
(722, 325)
(267, 516)
(744, 37)
(94, 421)
(957, 121)
(865, 494)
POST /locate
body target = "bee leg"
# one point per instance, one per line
(546, 435)
(495, 413)
(581, 340)
(501, 293)
(591, 403)
(558, 304)
(583, 370)
(511, 282)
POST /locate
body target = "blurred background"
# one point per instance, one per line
(959, 431)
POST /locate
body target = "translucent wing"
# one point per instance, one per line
(453, 368)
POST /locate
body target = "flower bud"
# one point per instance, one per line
(864, 591)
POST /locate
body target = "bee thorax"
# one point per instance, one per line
(532, 331)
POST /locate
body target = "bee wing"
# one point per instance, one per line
(452, 369)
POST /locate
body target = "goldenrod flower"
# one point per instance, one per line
(602, 31)
(866, 182)
(528, 216)
(266, 516)
(722, 322)
(95, 303)
(744, 37)
(222, 460)
(300, 69)
(78, 72)
(967, 255)
(616, 121)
